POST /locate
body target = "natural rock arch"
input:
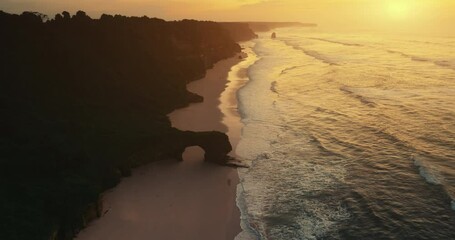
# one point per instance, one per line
(216, 145)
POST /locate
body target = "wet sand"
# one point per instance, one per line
(170, 200)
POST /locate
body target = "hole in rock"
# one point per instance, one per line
(193, 153)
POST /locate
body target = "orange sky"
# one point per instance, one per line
(400, 15)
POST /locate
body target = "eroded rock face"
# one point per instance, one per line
(239, 31)
(215, 144)
(79, 97)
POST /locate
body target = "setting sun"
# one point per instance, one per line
(399, 9)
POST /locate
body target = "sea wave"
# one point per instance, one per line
(248, 232)
(433, 176)
(312, 53)
(362, 99)
(330, 159)
(338, 42)
(323, 148)
(430, 174)
(273, 87)
(286, 70)
(440, 63)
(448, 44)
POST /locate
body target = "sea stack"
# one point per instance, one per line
(273, 35)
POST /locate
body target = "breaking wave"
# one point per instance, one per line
(338, 42)
(430, 174)
(364, 100)
(440, 63)
(312, 53)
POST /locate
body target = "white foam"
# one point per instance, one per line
(312, 53)
(430, 174)
(244, 236)
(322, 220)
(276, 177)
(286, 165)
(247, 232)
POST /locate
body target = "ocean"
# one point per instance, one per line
(348, 136)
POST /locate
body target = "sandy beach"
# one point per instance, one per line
(170, 200)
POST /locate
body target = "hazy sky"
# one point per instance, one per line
(409, 15)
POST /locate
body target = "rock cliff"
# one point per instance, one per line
(239, 31)
(79, 97)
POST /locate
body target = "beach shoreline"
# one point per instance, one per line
(191, 199)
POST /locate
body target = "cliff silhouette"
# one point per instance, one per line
(239, 31)
(244, 31)
(268, 26)
(79, 97)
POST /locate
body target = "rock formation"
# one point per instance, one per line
(79, 97)
(239, 31)
(215, 144)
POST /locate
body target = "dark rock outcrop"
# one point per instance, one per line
(79, 97)
(215, 144)
(239, 31)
